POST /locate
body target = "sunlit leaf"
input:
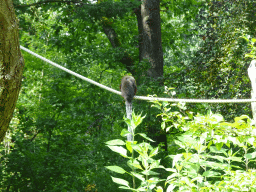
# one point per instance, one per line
(116, 169)
(153, 152)
(120, 181)
(139, 176)
(115, 142)
(211, 173)
(145, 136)
(122, 151)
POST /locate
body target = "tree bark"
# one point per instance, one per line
(150, 49)
(151, 34)
(11, 64)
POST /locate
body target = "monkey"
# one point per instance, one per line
(128, 88)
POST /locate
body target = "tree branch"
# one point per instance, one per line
(45, 2)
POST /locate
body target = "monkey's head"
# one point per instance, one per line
(128, 88)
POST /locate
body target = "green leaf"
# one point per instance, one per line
(124, 133)
(129, 146)
(170, 187)
(219, 145)
(214, 165)
(158, 106)
(210, 174)
(137, 119)
(115, 142)
(153, 152)
(134, 164)
(171, 170)
(120, 181)
(155, 164)
(138, 148)
(163, 125)
(215, 150)
(238, 159)
(122, 151)
(218, 117)
(176, 158)
(145, 136)
(123, 187)
(147, 172)
(116, 169)
(187, 156)
(144, 163)
(139, 176)
(237, 119)
(217, 157)
(251, 155)
(159, 189)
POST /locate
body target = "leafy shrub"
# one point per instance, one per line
(211, 155)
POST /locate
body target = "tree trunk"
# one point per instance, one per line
(11, 62)
(151, 37)
(150, 49)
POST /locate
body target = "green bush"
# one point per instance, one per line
(210, 155)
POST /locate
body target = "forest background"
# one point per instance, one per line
(57, 137)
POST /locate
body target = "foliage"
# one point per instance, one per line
(211, 155)
(142, 163)
(215, 155)
(251, 46)
(209, 60)
(56, 138)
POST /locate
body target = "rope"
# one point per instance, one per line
(196, 100)
(140, 97)
(71, 72)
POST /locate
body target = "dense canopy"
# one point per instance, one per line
(69, 135)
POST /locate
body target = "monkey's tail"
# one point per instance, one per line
(129, 116)
(128, 109)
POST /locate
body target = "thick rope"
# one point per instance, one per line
(140, 97)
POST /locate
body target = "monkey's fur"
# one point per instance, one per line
(128, 88)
